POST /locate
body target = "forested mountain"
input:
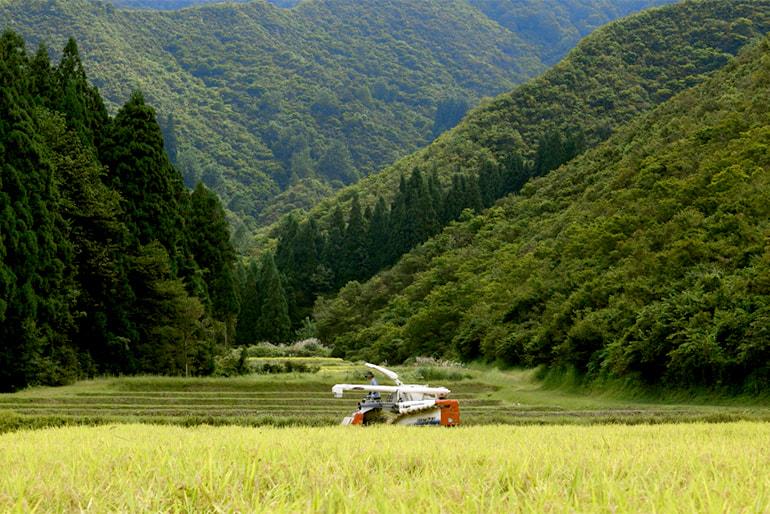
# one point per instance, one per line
(259, 98)
(169, 5)
(646, 258)
(108, 264)
(276, 108)
(613, 76)
(609, 215)
(555, 26)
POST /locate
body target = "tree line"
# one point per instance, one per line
(108, 264)
(318, 256)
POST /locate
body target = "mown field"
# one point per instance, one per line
(699, 467)
(305, 399)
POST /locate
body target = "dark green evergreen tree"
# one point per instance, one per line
(396, 245)
(77, 99)
(436, 195)
(42, 79)
(555, 149)
(139, 169)
(274, 324)
(98, 238)
(490, 183)
(308, 248)
(288, 230)
(515, 173)
(37, 284)
(355, 249)
(413, 216)
(246, 332)
(378, 236)
(155, 203)
(168, 320)
(334, 255)
(423, 207)
(453, 200)
(209, 242)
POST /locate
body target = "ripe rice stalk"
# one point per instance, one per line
(608, 468)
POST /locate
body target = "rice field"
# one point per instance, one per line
(270, 444)
(301, 399)
(704, 468)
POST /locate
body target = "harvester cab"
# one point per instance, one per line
(405, 404)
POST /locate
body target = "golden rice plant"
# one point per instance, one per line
(608, 468)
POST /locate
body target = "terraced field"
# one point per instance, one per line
(198, 401)
(305, 399)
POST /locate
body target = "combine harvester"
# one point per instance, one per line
(406, 404)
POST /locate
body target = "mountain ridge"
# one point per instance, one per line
(643, 259)
(268, 100)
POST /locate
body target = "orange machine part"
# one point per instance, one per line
(358, 418)
(450, 412)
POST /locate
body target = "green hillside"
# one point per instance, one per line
(264, 98)
(555, 26)
(646, 258)
(614, 75)
(275, 109)
(168, 5)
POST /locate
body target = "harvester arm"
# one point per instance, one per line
(390, 374)
(338, 389)
(440, 392)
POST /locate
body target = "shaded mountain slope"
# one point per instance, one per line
(618, 72)
(645, 258)
(556, 26)
(263, 97)
(275, 108)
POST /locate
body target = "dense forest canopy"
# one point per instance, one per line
(644, 259)
(275, 109)
(612, 77)
(108, 264)
(170, 5)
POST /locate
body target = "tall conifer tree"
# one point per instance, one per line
(36, 269)
(251, 306)
(77, 99)
(355, 245)
(214, 253)
(140, 170)
(274, 322)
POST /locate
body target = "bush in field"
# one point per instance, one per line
(232, 364)
(436, 373)
(287, 366)
(306, 348)
(430, 368)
